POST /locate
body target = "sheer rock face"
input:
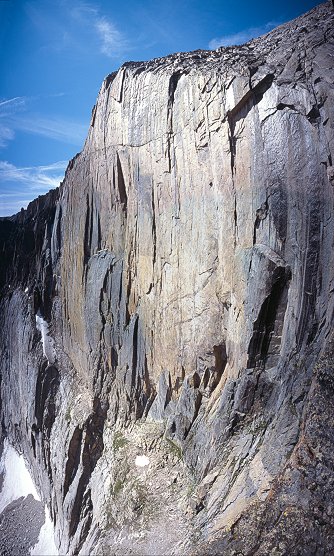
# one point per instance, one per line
(185, 270)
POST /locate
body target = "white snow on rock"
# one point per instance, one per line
(142, 461)
(17, 481)
(45, 543)
(48, 343)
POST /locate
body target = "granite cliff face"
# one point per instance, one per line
(174, 298)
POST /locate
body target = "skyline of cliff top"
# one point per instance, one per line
(57, 54)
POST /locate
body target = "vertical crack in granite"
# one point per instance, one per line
(73, 458)
(121, 185)
(264, 346)
(91, 451)
(173, 82)
(239, 112)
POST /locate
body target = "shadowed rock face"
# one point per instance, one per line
(185, 268)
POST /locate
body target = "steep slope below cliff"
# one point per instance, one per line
(174, 299)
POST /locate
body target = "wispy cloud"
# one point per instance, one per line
(63, 130)
(83, 11)
(20, 185)
(243, 36)
(113, 43)
(8, 108)
(6, 135)
(12, 204)
(82, 29)
(35, 178)
(10, 105)
(15, 116)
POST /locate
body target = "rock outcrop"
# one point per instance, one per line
(174, 298)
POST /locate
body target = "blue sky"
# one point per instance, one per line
(55, 54)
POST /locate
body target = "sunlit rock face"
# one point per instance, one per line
(182, 280)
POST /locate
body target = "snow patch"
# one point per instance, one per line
(142, 461)
(45, 543)
(17, 480)
(48, 343)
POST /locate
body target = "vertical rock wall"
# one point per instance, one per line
(185, 270)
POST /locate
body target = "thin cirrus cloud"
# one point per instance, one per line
(243, 36)
(112, 41)
(35, 177)
(21, 185)
(9, 109)
(15, 116)
(6, 134)
(63, 130)
(10, 105)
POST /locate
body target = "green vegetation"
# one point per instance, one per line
(191, 488)
(119, 441)
(175, 449)
(117, 487)
(68, 414)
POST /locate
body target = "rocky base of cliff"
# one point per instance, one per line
(25, 525)
(149, 495)
(20, 525)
